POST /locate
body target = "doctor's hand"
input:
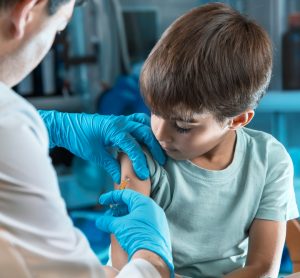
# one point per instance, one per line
(90, 136)
(145, 227)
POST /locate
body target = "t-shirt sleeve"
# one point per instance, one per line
(160, 187)
(278, 200)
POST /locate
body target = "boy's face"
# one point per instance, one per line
(189, 139)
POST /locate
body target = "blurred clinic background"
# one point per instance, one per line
(94, 66)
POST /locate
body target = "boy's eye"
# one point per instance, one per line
(181, 129)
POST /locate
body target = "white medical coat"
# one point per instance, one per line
(33, 218)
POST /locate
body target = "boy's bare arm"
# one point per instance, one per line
(119, 257)
(134, 182)
(266, 240)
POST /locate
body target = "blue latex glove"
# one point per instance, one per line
(90, 136)
(144, 227)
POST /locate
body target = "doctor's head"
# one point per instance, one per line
(204, 77)
(27, 32)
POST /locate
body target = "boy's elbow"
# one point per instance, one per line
(266, 269)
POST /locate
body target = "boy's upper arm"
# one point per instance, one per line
(266, 240)
(134, 182)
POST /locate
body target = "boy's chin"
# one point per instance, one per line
(176, 156)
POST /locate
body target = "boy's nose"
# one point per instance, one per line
(162, 133)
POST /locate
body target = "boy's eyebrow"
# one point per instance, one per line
(182, 119)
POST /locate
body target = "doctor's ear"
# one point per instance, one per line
(21, 14)
(241, 120)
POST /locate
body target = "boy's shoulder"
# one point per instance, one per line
(264, 139)
(263, 145)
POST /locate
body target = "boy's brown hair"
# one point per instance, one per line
(212, 59)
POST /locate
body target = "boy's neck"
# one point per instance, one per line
(221, 156)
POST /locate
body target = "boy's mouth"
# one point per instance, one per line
(168, 149)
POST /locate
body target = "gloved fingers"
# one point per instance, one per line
(139, 118)
(144, 135)
(111, 166)
(111, 198)
(119, 210)
(128, 197)
(135, 153)
(142, 132)
(105, 223)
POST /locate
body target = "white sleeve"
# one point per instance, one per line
(139, 268)
(32, 211)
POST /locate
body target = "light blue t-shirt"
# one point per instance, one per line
(210, 212)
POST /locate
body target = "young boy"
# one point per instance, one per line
(227, 190)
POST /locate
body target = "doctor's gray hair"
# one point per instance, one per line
(53, 5)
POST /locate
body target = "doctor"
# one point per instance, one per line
(37, 237)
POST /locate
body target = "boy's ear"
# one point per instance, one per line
(21, 14)
(241, 120)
